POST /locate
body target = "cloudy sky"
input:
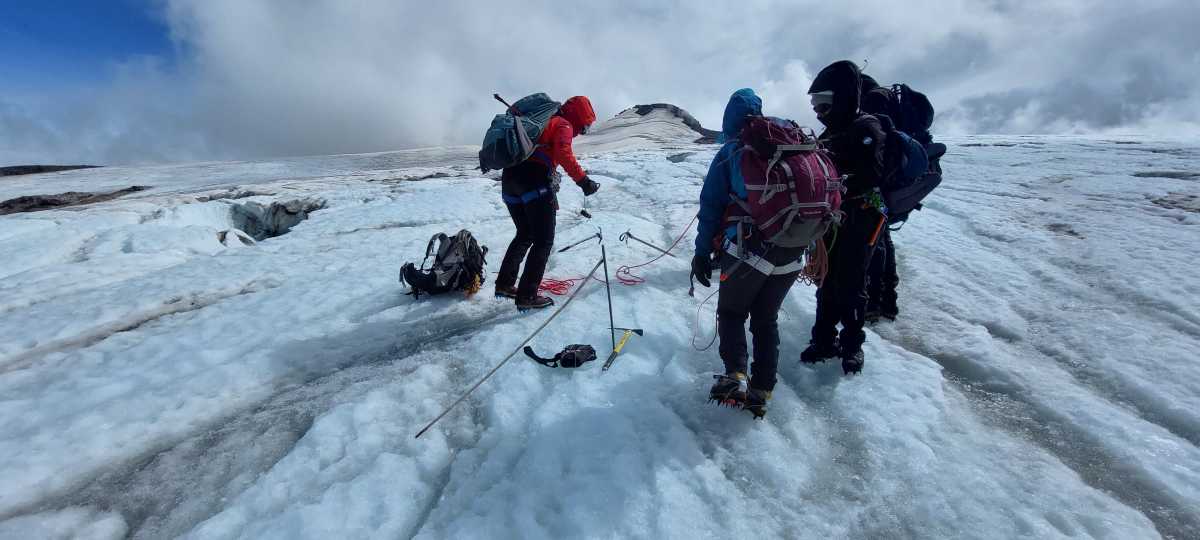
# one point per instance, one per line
(132, 81)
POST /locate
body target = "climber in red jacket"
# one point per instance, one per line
(529, 193)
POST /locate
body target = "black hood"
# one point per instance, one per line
(843, 78)
(867, 83)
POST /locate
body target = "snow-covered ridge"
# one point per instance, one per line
(657, 125)
(706, 135)
(156, 381)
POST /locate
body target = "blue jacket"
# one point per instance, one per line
(725, 172)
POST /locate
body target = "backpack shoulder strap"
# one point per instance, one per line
(439, 239)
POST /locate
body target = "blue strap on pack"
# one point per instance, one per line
(526, 197)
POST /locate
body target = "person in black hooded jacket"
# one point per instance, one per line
(882, 277)
(856, 141)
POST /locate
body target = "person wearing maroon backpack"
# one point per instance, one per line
(745, 292)
(529, 193)
(856, 140)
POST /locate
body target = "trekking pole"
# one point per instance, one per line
(597, 235)
(612, 332)
(511, 354)
(629, 236)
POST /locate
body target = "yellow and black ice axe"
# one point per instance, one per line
(620, 345)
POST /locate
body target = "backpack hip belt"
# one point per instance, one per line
(759, 263)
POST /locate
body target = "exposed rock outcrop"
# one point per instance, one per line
(15, 170)
(33, 203)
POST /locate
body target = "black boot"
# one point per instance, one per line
(729, 390)
(756, 402)
(537, 302)
(817, 352)
(852, 362)
(506, 292)
(888, 311)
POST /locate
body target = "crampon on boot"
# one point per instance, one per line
(852, 362)
(756, 402)
(817, 352)
(729, 390)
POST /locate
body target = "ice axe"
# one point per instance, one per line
(620, 345)
(512, 110)
(627, 235)
(584, 211)
(598, 235)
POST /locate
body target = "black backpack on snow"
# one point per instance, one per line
(458, 264)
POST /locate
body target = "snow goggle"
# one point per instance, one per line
(822, 102)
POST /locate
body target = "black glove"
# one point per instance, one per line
(588, 186)
(702, 269)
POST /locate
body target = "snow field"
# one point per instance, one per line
(1040, 381)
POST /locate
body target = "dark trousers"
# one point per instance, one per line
(883, 278)
(535, 235)
(843, 296)
(746, 292)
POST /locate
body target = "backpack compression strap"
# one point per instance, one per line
(784, 148)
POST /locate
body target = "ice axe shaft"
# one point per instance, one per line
(597, 235)
(608, 290)
(628, 235)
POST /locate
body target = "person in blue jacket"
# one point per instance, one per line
(745, 290)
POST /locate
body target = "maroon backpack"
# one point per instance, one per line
(793, 189)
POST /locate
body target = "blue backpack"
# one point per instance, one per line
(913, 169)
(903, 199)
(905, 160)
(512, 137)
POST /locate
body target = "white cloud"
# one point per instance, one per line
(281, 77)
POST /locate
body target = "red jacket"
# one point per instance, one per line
(555, 141)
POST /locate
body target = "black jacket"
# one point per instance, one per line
(858, 152)
(529, 175)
